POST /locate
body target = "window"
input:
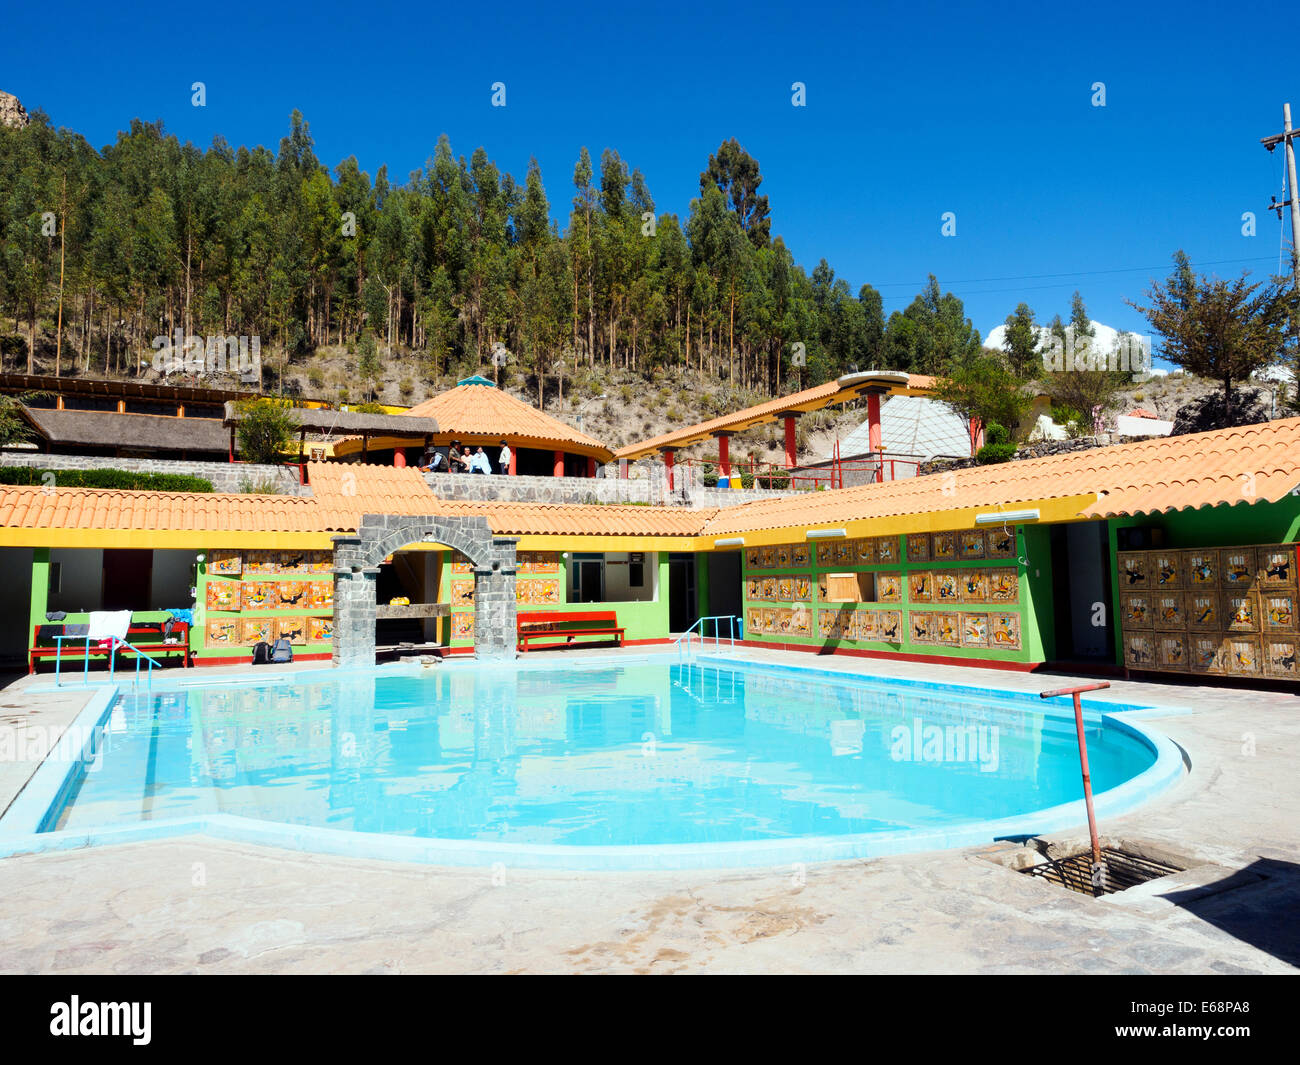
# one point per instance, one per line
(612, 577)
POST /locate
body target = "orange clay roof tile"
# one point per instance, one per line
(1258, 462)
(808, 400)
(481, 410)
(1242, 465)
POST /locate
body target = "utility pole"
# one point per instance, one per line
(1287, 139)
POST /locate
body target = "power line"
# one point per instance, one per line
(1076, 273)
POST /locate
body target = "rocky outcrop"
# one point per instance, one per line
(12, 112)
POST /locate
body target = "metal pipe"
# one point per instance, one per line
(1083, 756)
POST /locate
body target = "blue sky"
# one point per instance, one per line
(913, 109)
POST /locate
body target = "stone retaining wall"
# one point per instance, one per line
(649, 489)
(225, 476)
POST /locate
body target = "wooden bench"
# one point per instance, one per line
(74, 648)
(592, 623)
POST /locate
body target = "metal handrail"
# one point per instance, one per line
(114, 643)
(732, 621)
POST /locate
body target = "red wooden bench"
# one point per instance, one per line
(75, 648)
(547, 624)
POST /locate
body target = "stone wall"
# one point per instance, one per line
(650, 488)
(356, 567)
(225, 476)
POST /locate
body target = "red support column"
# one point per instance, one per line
(514, 462)
(668, 465)
(591, 466)
(791, 448)
(558, 469)
(724, 454)
(873, 421)
(399, 457)
(622, 468)
(976, 435)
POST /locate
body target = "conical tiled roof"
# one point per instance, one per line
(479, 410)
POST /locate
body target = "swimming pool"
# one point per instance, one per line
(600, 764)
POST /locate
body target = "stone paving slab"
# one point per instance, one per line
(202, 905)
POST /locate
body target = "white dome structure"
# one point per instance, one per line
(912, 425)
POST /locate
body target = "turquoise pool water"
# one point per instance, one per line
(598, 755)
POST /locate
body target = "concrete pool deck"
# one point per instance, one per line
(197, 904)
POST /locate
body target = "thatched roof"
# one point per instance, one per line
(18, 383)
(334, 422)
(145, 432)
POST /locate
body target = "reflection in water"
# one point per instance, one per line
(640, 753)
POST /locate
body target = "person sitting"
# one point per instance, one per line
(433, 462)
(480, 463)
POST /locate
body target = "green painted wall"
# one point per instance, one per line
(1029, 607)
(640, 620)
(198, 631)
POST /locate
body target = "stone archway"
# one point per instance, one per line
(356, 567)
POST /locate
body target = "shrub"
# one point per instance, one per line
(774, 480)
(127, 480)
(406, 387)
(265, 430)
(746, 480)
(265, 486)
(316, 377)
(369, 408)
(991, 453)
(996, 434)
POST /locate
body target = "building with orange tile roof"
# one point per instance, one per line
(478, 414)
(1148, 555)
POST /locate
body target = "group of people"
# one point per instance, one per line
(459, 460)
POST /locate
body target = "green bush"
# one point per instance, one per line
(265, 486)
(991, 453)
(746, 480)
(266, 429)
(127, 480)
(996, 434)
(774, 480)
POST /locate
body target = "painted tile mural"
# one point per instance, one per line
(1227, 610)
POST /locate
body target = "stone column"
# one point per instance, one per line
(354, 604)
(354, 615)
(495, 634)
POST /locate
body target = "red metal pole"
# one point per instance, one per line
(873, 421)
(791, 448)
(668, 465)
(1083, 756)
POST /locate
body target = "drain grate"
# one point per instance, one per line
(1122, 871)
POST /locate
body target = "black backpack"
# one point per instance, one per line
(261, 653)
(282, 650)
